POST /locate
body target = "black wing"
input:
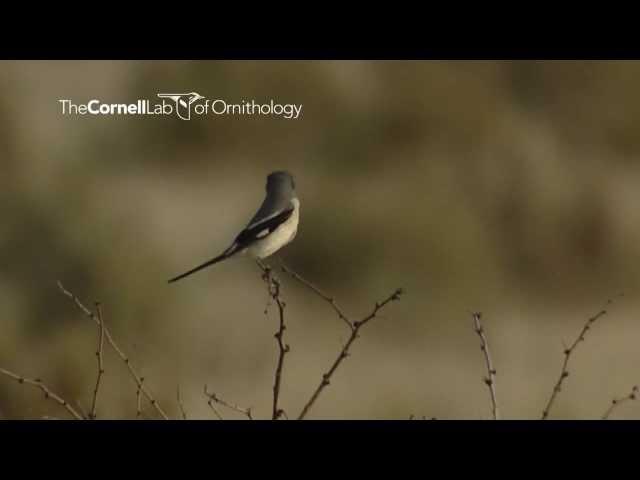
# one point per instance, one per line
(262, 229)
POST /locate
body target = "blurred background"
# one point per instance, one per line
(509, 188)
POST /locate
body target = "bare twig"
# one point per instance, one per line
(616, 402)
(344, 353)
(490, 379)
(117, 349)
(182, 410)
(215, 411)
(567, 354)
(273, 285)
(139, 412)
(318, 292)
(36, 382)
(214, 398)
(99, 358)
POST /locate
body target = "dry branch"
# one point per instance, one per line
(214, 398)
(36, 382)
(138, 380)
(215, 411)
(564, 373)
(273, 286)
(490, 379)
(180, 404)
(139, 412)
(344, 353)
(616, 402)
(330, 300)
(99, 358)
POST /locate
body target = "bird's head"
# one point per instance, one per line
(280, 180)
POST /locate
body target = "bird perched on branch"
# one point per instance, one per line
(274, 225)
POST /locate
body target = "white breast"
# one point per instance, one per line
(282, 235)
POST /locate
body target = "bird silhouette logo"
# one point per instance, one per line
(183, 102)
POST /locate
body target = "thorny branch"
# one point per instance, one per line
(181, 405)
(139, 412)
(138, 380)
(567, 355)
(330, 300)
(344, 353)
(215, 411)
(354, 327)
(490, 379)
(99, 358)
(36, 382)
(273, 286)
(214, 398)
(616, 402)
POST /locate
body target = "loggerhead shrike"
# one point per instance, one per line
(273, 226)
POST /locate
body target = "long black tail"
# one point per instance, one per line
(226, 254)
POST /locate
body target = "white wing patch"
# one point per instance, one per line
(263, 233)
(269, 243)
(260, 220)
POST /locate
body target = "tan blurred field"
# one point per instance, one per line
(510, 188)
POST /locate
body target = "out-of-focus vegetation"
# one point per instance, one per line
(511, 188)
